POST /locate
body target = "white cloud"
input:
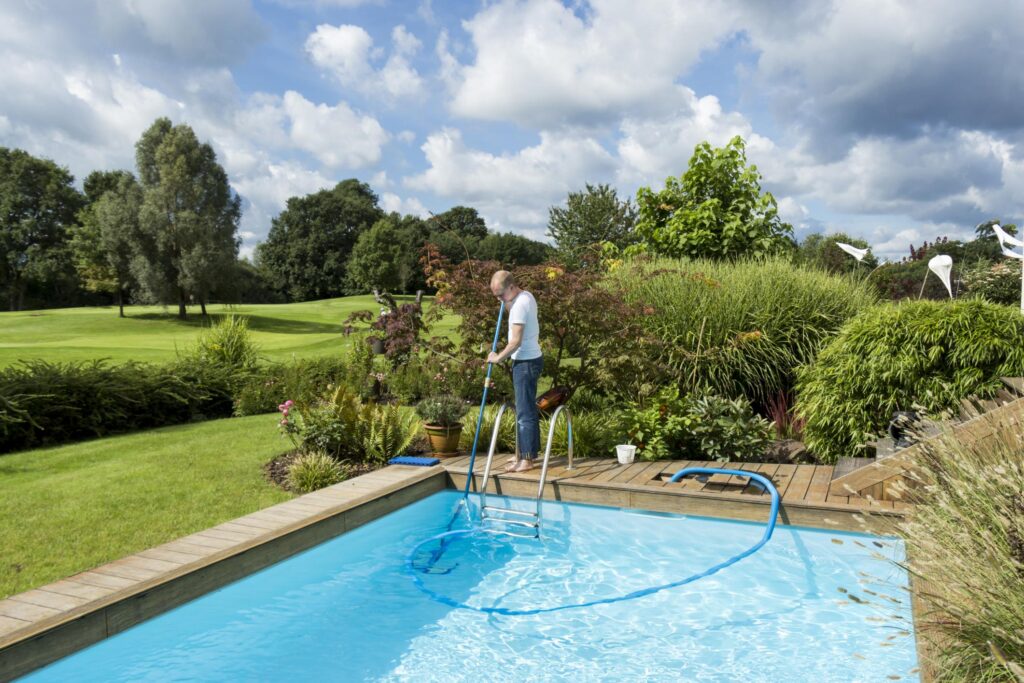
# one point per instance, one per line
(267, 189)
(540, 64)
(793, 212)
(876, 67)
(652, 148)
(211, 32)
(348, 4)
(389, 201)
(337, 136)
(343, 50)
(347, 53)
(511, 190)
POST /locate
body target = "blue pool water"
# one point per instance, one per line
(810, 605)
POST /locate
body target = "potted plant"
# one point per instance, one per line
(441, 417)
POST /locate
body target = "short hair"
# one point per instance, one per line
(503, 279)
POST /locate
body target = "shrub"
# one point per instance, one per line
(226, 342)
(345, 428)
(303, 380)
(313, 471)
(444, 411)
(595, 434)
(900, 356)
(786, 423)
(43, 403)
(739, 329)
(715, 209)
(583, 320)
(698, 427)
(506, 436)
(997, 282)
(388, 432)
(965, 542)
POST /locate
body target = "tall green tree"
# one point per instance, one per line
(822, 251)
(376, 263)
(37, 207)
(105, 239)
(189, 217)
(464, 221)
(510, 250)
(714, 210)
(589, 218)
(306, 252)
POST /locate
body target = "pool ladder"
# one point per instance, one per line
(495, 514)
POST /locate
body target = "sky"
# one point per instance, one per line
(894, 121)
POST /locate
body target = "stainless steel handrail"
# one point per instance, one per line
(544, 465)
(490, 454)
(547, 450)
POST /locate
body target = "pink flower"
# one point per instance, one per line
(284, 422)
(285, 412)
(289, 403)
(281, 407)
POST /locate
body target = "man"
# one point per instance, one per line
(524, 349)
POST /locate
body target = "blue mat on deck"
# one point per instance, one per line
(413, 460)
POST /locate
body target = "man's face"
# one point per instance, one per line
(499, 291)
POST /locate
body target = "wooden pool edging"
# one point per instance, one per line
(42, 625)
(862, 516)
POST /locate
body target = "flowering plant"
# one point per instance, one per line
(290, 424)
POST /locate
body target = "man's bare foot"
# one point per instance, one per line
(522, 466)
(510, 466)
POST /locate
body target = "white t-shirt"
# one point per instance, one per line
(523, 311)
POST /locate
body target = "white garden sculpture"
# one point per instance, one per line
(853, 251)
(1006, 243)
(941, 265)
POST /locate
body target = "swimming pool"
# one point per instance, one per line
(810, 605)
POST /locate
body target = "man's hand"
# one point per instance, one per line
(493, 357)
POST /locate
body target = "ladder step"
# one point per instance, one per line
(503, 532)
(510, 511)
(514, 522)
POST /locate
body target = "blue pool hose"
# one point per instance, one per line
(415, 572)
(464, 501)
(483, 401)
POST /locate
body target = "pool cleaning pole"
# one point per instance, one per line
(483, 401)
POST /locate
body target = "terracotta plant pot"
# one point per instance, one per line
(444, 440)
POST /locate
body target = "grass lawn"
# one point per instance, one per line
(153, 333)
(69, 508)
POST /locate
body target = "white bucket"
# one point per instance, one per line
(626, 453)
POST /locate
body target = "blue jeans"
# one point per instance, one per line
(525, 374)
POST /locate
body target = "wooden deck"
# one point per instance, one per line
(804, 490)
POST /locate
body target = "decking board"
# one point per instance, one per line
(605, 481)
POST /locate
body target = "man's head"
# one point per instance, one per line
(503, 286)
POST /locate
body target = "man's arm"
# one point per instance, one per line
(515, 340)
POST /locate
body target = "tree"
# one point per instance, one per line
(376, 263)
(188, 221)
(715, 210)
(307, 250)
(107, 233)
(464, 221)
(37, 206)
(822, 251)
(412, 234)
(510, 250)
(589, 219)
